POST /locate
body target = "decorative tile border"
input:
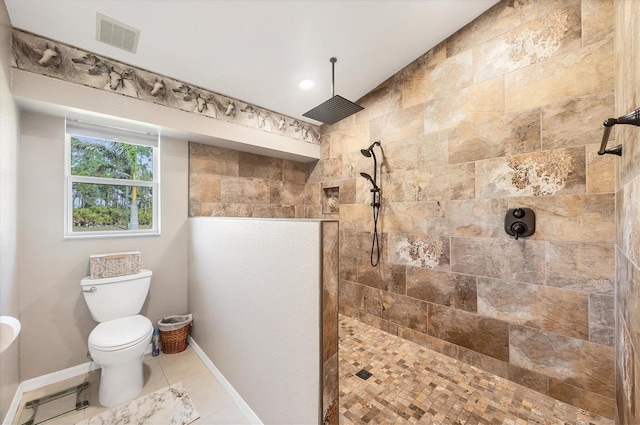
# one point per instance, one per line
(43, 56)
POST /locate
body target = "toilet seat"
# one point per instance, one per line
(119, 334)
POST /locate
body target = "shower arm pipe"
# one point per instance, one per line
(333, 76)
(632, 118)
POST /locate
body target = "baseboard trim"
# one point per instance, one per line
(59, 376)
(248, 412)
(14, 406)
(43, 381)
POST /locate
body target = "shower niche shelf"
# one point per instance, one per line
(330, 200)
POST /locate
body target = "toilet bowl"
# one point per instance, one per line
(118, 347)
(117, 344)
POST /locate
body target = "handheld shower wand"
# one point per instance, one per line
(375, 203)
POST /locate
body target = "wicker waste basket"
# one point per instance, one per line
(174, 333)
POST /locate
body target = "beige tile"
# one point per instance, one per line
(575, 362)
(538, 40)
(576, 121)
(207, 394)
(560, 171)
(448, 289)
(521, 260)
(597, 20)
(398, 125)
(502, 17)
(552, 309)
(259, 167)
(468, 217)
(579, 72)
(584, 267)
(154, 378)
(180, 366)
(231, 415)
(493, 137)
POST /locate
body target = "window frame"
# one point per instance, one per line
(120, 135)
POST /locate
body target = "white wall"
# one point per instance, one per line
(255, 294)
(9, 261)
(55, 320)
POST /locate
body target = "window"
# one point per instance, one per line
(112, 183)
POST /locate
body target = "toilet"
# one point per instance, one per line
(122, 336)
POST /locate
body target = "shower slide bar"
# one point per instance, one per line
(632, 118)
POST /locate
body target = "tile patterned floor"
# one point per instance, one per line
(411, 384)
(213, 403)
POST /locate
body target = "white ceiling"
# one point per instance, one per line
(258, 51)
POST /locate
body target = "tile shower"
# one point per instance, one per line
(505, 113)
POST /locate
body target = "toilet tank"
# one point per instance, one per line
(115, 297)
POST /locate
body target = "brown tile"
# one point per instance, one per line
(601, 170)
(597, 20)
(565, 218)
(446, 182)
(535, 42)
(502, 17)
(325, 169)
(572, 361)
(521, 260)
(244, 190)
(430, 342)
(419, 250)
(505, 135)
(395, 217)
(350, 295)
(585, 267)
(545, 173)
(551, 309)
(411, 383)
(294, 172)
(398, 125)
(468, 217)
(405, 311)
(204, 187)
(579, 397)
(330, 279)
(348, 191)
(424, 151)
(259, 166)
(448, 289)
(626, 370)
(212, 160)
(349, 268)
(487, 363)
(385, 98)
(286, 193)
(438, 81)
(480, 334)
(386, 276)
(571, 122)
(588, 69)
(529, 379)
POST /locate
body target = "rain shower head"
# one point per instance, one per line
(335, 109)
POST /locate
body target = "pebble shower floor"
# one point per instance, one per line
(411, 384)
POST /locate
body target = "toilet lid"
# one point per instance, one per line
(120, 333)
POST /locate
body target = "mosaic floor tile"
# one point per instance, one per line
(411, 384)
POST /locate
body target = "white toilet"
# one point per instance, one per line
(119, 341)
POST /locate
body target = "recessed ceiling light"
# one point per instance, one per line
(305, 84)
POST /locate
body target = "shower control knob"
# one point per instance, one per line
(518, 213)
(518, 228)
(520, 222)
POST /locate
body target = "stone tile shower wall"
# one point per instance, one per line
(229, 183)
(627, 77)
(505, 113)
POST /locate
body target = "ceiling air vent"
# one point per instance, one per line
(117, 34)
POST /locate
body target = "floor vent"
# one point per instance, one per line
(117, 34)
(364, 375)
